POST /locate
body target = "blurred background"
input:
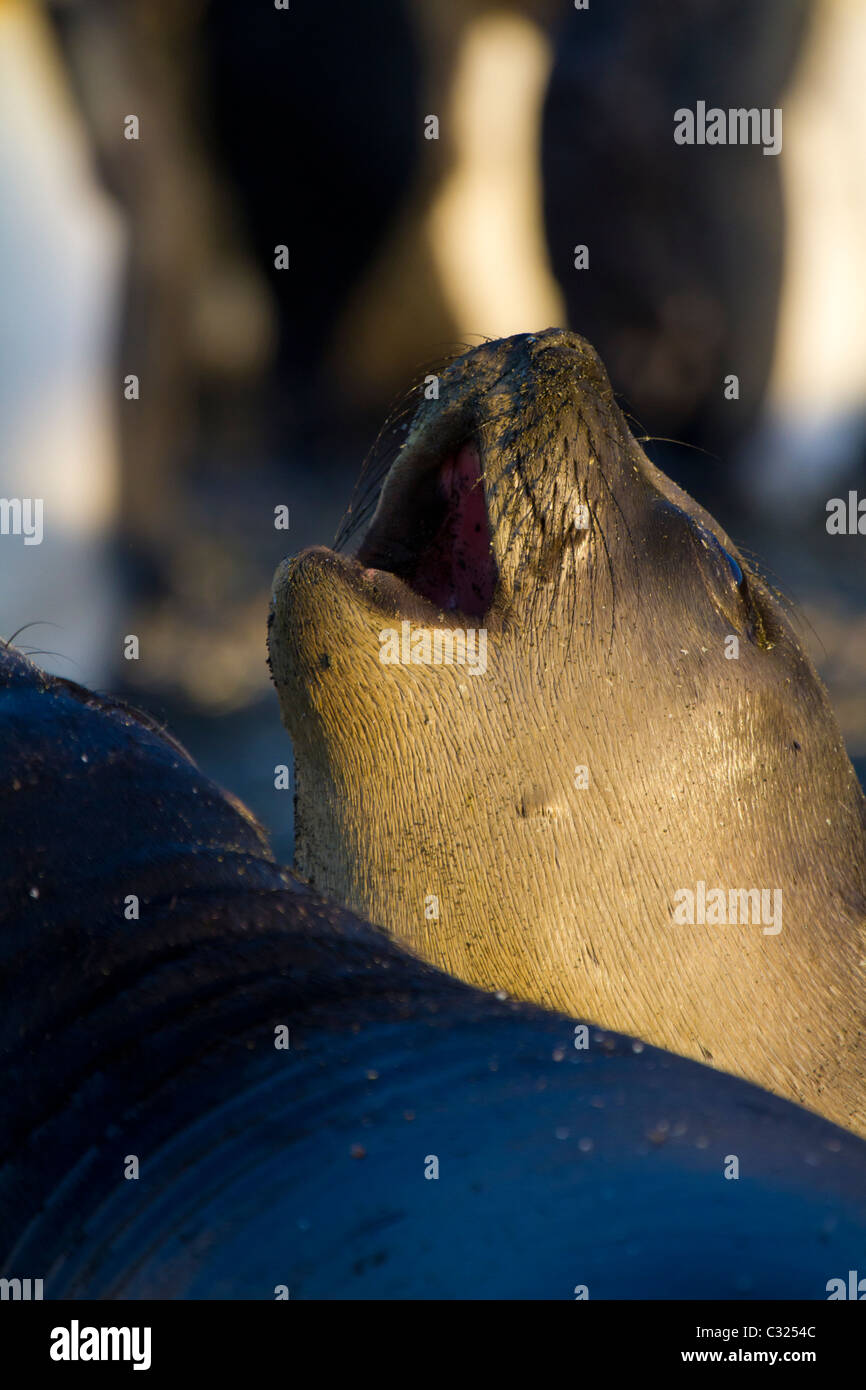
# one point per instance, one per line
(227, 246)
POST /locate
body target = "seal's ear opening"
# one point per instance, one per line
(433, 532)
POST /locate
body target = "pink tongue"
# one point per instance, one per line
(457, 569)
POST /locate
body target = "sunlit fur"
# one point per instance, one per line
(606, 650)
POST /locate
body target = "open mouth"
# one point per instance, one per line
(433, 536)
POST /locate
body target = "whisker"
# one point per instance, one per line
(37, 622)
(39, 651)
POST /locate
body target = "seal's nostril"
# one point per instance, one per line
(556, 356)
(553, 338)
(558, 349)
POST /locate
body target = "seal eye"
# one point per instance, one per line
(735, 568)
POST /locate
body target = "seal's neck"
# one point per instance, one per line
(749, 955)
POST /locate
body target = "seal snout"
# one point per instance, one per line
(560, 347)
(486, 480)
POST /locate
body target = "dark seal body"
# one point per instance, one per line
(304, 1169)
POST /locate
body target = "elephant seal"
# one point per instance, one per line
(155, 1143)
(647, 733)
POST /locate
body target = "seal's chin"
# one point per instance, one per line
(428, 549)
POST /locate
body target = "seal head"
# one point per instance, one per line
(642, 730)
